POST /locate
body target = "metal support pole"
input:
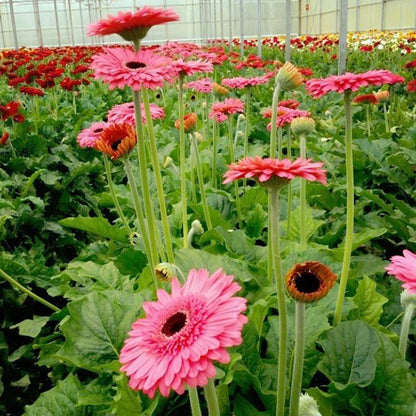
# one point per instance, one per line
(222, 22)
(215, 19)
(90, 18)
(2, 30)
(58, 33)
(201, 26)
(337, 16)
(241, 29)
(259, 31)
(357, 15)
(71, 27)
(230, 26)
(37, 22)
(300, 17)
(193, 23)
(166, 26)
(82, 23)
(210, 23)
(343, 24)
(288, 29)
(12, 18)
(320, 16)
(383, 15)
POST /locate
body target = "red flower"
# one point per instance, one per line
(348, 81)
(192, 67)
(265, 169)
(9, 109)
(19, 118)
(4, 138)
(241, 82)
(366, 98)
(31, 91)
(132, 26)
(292, 104)
(221, 111)
(366, 48)
(411, 86)
(80, 69)
(410, 64)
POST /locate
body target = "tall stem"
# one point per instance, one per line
(303, 240)
(214, 155)
(150, 252)
(232, 158)
(158, 176)
(280, 143)
(211, 398)
(247, 129)
(114, 196)
(273, 121)
(182, 162)
(194, 400)
(298, 359)
(201, 183)
(290, 188)
(28, 292)
(367, 113)
(404, 333)
(350, 208)
(386, 120)
(141, 148)
(281, 302)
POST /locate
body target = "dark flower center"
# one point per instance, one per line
(98, 130)
(174, 324)
(114, 145)
(307, 282)
(131, 106)
(135, 65)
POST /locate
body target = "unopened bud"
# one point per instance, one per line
(302, 126)
(308, 406)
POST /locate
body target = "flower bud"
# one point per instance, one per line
(407, 299)
(289, 77)
(302, 126)
(165, 272)
(308, 406)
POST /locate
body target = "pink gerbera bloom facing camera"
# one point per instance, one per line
(183, 332)
(404, 268)
(121, 67)
(132, 26)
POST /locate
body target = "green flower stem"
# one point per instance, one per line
(201, 183)
(275, 102)
(303, 237)
(193, 181)
(367, 114)
(281, 302)
(404, 333)
(211, 399)
(36, 113)
(290, 188)
(28, 292)
(158, 175)
(232, 158)
(182, 163)
(150, 252)
(113, 194)
(247, 129)
(298, 359)
(150, 215)
(280, 143)
(386, 120)
(350, 208)
(194, 400)
(214, 154)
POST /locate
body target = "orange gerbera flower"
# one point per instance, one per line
(310, 281)
(189, 121)
(117, 140)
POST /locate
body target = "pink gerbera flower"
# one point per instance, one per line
(404, 268)
(348, 81)
(267, 169)
(121, 67)
(201, 85)
(124, 113)
(132, 26)
(221, 111)
(88, 136)
(241, 82)
(183, 332)
(192, 67)
(286, 116)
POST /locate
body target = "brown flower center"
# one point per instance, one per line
(135, 65)
(174, 324)
(114, 145)
(98, 130)
(307, 282)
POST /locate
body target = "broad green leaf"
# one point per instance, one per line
(323, 399)
(369, 302)
(97, 225)
(131, 261)
(350, 354)
(31, 327)
(363, 237)
(96, 328)
(243, 407)
(126, 401)
(59, 401)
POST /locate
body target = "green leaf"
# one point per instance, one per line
(131, 261)
(369, 302)
(242, 407)
(59, 401)
(96, 328)
(364, 237)
(350, 354)
(97, 225)
(31, 327)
